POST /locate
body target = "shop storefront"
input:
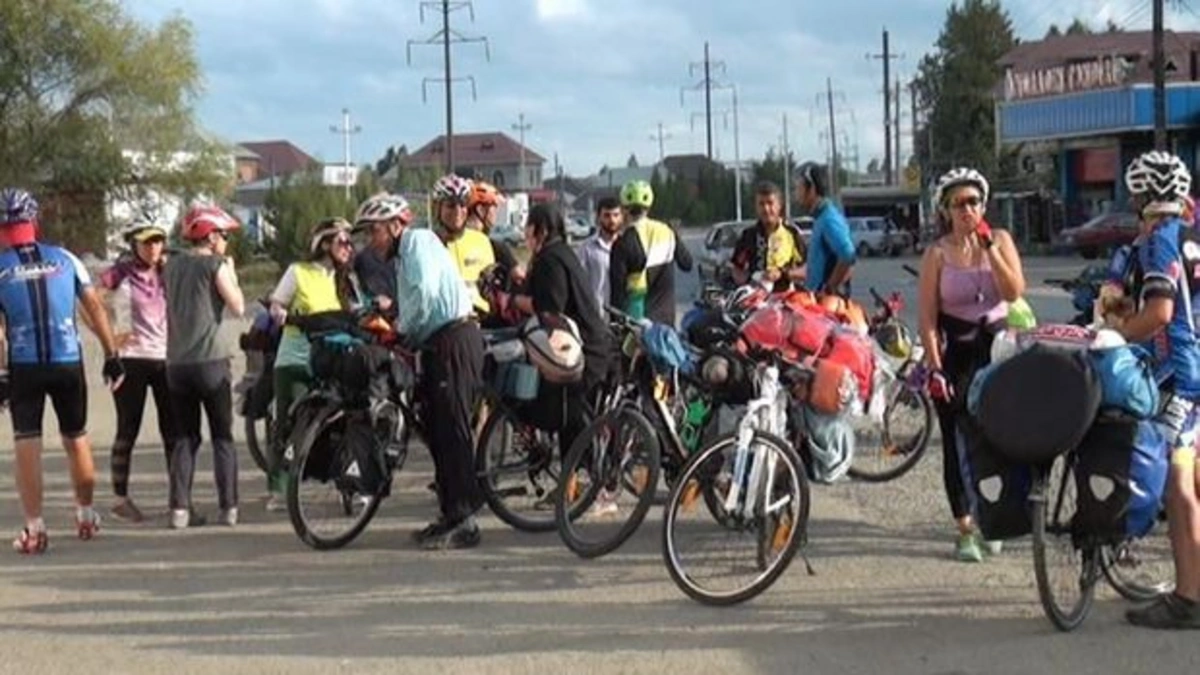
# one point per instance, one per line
(1078, 108)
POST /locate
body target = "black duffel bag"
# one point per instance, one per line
(1038, 404)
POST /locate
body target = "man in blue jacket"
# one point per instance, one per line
(830, 251)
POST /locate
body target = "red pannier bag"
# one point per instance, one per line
(857, 353)
(794, 333)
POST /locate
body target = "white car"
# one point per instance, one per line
(578, 228)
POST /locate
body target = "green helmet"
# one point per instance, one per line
(637, 193)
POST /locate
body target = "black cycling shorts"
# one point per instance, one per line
(65, 385)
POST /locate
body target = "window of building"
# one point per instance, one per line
(498, 178)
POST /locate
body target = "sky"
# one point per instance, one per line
(593, 78)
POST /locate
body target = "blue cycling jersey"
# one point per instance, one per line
(39, 285)
(830, 244)
(1169, 265)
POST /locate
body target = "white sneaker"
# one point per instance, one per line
(229, 516)
(276, 503)
(179, 519)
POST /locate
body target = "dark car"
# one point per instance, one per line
(1100, 235)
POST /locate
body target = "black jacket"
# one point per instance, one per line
(557, 285)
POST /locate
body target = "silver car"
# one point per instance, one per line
(713, 262)
(869, 235)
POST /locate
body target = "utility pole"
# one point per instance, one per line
(899, 158)
(707, 65)
(887, 57)
(833, 169)
(558, 173)
(521, 127)
(346, 131)
(660, 137)
(445, 37)
(1160, 78)
(787, 173)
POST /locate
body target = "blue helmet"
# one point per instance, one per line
(17, 206)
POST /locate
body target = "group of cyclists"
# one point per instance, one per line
(430, 281)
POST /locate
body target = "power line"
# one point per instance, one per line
(660, 137)
(446, 36)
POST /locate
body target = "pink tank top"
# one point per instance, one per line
(970, 293)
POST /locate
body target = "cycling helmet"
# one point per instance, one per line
(452, 188)
(894, 340)
(637, 193)
(957, 177)
(1160, 178)
(203, 219)
(144, 229)
(17, 206)
(484, 194)
(323, 230)
(382, 207)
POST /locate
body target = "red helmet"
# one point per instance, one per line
(202, 220)
(484, 194)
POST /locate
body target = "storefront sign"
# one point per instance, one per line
(1102, 73)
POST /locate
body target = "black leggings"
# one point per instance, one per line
(960, 362)
(140, 375)
(207, 386)
(450, 388)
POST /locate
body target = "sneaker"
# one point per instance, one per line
(185, 518)
(31, 543)
(1168, 612)
(228, 517)
(605, 506)
(968, 549)
(276, 503)
(465, 534)
(87, 523)
(433, 530)
(993, 548)
(126, 510)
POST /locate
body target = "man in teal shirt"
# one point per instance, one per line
(831, 254)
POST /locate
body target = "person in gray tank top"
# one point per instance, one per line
(200, 285)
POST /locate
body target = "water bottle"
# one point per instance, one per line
(694, 421)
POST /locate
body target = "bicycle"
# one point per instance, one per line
(621, 452)
(256, 389)
(761, 492)
(904, 390)
(1117, 559)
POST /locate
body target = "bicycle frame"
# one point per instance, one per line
(766, 413)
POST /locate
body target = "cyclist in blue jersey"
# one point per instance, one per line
(1166, 290)
(39, 287)
(831, 255)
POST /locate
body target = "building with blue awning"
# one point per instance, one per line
(1078, 108)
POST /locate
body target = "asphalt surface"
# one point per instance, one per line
(886, 596)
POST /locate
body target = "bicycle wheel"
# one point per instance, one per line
(1141, 569)
(611, 474)
(260, 428)
(902, 440)
(518, 469)
(1053, 501)
(772, 525)
(318, 486)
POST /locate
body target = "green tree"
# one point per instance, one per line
(301, 201)
(955, 87)
(92, 105)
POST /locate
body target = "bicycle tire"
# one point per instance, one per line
(1128, 588)
(580, 452)
(920, 444)
(321, 424)
(257, 449)
(496, 417)
(1064, 619)
(786, 554)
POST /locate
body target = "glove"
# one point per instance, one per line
(939, 387)
(5, 388)
(984, 232)
(114, 371)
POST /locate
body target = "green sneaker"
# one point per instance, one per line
(968, 549)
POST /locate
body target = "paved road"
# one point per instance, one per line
(886, 597)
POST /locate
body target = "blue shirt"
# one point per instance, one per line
(430, 292)
(1169, 260)
(39, 285)
(830, 244)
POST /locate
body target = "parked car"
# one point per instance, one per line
(718, 249)
(869, 235)
(1100, 235)
(804, 224)
(508, 233)
(579, 228)
(898, 239)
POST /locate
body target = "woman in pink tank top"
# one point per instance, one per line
(968, 277)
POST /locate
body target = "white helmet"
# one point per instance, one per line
(956, 177)
(1162, 178)
(326, 228)
(382, 207)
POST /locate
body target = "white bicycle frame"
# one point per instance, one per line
(767, 413)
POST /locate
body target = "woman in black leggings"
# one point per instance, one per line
(137, 297)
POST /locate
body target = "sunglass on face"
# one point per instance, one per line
(344, 243)
(966, 203)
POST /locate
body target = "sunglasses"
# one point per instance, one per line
(344, 243)
(965, 203)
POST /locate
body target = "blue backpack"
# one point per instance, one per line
(666, 350)
(1120, 477)
(1126, 380)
